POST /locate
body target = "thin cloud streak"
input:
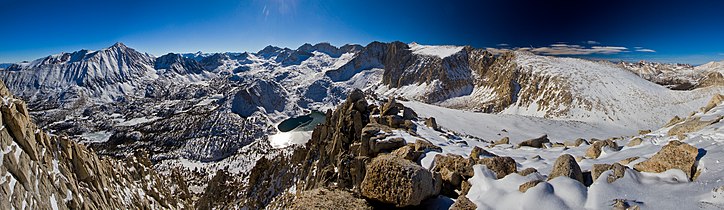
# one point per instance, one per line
(567, 49)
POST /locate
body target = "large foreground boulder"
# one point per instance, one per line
(566, 166)
(393, 180)
(674, 155)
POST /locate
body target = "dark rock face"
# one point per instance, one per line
(178, 64)
(260, 93)
(536, 142)
(452, 76)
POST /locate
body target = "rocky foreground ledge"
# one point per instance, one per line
(364, 156)
(352, 162)
(42, 171)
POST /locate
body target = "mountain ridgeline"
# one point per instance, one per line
(210, 122)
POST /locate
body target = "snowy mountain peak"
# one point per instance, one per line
(178, 64)
(119, 45)
(441, 51)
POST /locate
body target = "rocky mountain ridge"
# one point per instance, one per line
(678, 76)
(42, 171)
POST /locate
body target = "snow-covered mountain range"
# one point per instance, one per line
(199, 113)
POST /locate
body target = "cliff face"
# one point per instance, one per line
(39, 170)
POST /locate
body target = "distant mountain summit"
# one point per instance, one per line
(679, 76)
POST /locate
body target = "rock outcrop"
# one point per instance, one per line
(618, 171)
(454, 169)
(463, 203)
(674, 155)
(400, 182)
(595, 149)
(527, 171)
(634, 142)
(525, 186)
(47, 171)
(502, 166)
(690, 125)
(504, 140)
(352, 151)
(566, 166)
(536, 142)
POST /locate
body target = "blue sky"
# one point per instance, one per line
(686, 31)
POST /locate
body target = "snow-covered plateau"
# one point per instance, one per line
(391, 125)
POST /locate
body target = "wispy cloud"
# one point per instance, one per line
(573, 49)
(265, 12)
(563, 49)
(591, 42)
(502, 45)
(645, 50)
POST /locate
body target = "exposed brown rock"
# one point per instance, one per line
(388, 144)
(430, 122)
(642, 132)
(453, 170)
(634, 142)
(425, 146)
(54, 169)
(595, 149)
(673, 121)
(407, 152)
(691, 124)
(716, 100)
(566, 166)
(463, 203)
(628, 160)
(397, 181)
(321, 198)
(502, 166)
(15, 117)
(465, 187)
(477, 152)
(504, 140)
(391, 107)
(525, 186)
(455, 163)
(408, 114)
(577, 142)
(711, 79)
(536, 142)
(527, 171)
(623, 204)
(618, 171)
(674, 155)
